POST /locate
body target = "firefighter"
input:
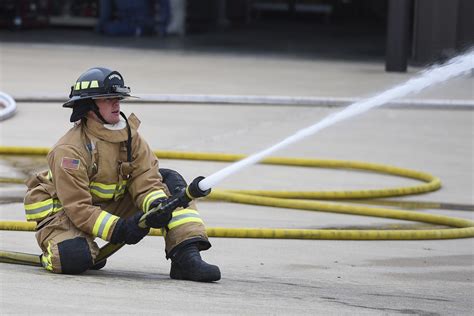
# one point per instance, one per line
(102, 178)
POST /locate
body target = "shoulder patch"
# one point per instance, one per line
(70, 163)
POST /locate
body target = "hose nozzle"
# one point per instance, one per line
(193, 191)
(181, 199)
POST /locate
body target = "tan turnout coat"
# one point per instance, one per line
(88, 170)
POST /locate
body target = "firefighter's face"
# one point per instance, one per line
(109, 109)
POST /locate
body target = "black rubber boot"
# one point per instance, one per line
(187, 264)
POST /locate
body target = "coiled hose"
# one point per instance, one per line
(305, 200)
(7, 106)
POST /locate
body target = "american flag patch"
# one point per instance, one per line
(70, 163)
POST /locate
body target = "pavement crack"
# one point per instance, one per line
(406, 311)
(277, 283)
(412, 297)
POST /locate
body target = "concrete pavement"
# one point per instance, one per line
(259, 276)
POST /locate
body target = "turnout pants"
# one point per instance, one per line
(68, 250)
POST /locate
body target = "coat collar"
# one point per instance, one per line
(100, 131)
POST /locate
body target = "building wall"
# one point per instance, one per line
(441, 28)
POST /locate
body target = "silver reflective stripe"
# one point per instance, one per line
(121, 89)
(101, 190)
(39, 209)
(150, 198)
(103, 223)
(180, 217)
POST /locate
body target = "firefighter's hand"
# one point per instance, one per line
(158, 218)
(127, 230)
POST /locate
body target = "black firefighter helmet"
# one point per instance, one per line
(95, 83)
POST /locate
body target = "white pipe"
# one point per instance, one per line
(222, 99)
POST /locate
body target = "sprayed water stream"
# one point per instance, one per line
(455, 67)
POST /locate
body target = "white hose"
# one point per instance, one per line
(7, 106)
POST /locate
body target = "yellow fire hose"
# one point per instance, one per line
(302, 200)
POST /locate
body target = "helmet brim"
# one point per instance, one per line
(110, 96)
(71, 101)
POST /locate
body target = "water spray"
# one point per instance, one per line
(201, 186)
(434, 75)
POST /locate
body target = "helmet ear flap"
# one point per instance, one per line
(80, 109)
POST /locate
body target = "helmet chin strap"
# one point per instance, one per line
(129, 138)
(95, 109)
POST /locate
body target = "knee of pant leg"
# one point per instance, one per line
(75, 255)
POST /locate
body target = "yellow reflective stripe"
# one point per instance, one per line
(108, 191)
(184, 221)
(37, 205)
(121, 188)
(150, 197)
(85, 84)
(42, 215)
(184, 216)
(46, 259)
(102, 224)
(104, 186)
(102, 195)
(105, 191)
(50, 175)
(42, 209)
(185, 211)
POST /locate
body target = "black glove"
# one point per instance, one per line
(173, 180)
(127, 230)
(158, 219)
(161, 210)
(176, 185)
